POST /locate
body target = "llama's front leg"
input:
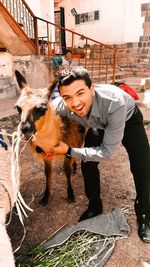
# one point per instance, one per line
(47, 194)
(68, 168)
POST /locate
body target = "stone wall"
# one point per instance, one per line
(7, 82)
(36, 69)
(134, 58)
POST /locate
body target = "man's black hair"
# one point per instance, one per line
(67, 76)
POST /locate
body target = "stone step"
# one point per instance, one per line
(102, 81)
(118, 78)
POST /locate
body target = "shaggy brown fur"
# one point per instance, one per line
(38, 117)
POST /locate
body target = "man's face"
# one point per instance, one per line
(78, 97)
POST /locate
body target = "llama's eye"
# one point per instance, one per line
(40, 111)
(18, 109)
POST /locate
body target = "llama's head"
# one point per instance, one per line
(33, 104)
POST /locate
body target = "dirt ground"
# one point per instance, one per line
(117, 191)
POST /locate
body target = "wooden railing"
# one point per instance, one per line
(22, 14)
(98, 58)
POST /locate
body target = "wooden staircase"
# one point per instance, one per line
(12, 36)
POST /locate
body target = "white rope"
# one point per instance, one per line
(15, 167)
(14, 194)
(15, 175)
(15, 172)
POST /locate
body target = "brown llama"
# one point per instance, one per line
(38, 116)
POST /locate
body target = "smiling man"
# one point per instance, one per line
(78, 97)
(112, 118)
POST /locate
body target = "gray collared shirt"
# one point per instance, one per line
(111, 108)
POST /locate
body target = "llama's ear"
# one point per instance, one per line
(52, 87)
(20, 79)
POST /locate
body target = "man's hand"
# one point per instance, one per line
(60, 149)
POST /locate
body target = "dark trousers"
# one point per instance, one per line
(136, 143)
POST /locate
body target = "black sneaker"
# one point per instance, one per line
(144, 230)
(91, 212)
(143, 221)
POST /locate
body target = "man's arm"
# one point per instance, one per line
(112, 138)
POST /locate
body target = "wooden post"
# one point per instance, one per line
(114, 65)
(36, 36)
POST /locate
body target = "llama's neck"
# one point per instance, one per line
(51, 130)
(54, 126)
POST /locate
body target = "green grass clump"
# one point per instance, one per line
(80, 249)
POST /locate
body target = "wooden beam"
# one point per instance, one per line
(17, 29)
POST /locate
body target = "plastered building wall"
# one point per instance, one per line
(43, 9)
(120, 20)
